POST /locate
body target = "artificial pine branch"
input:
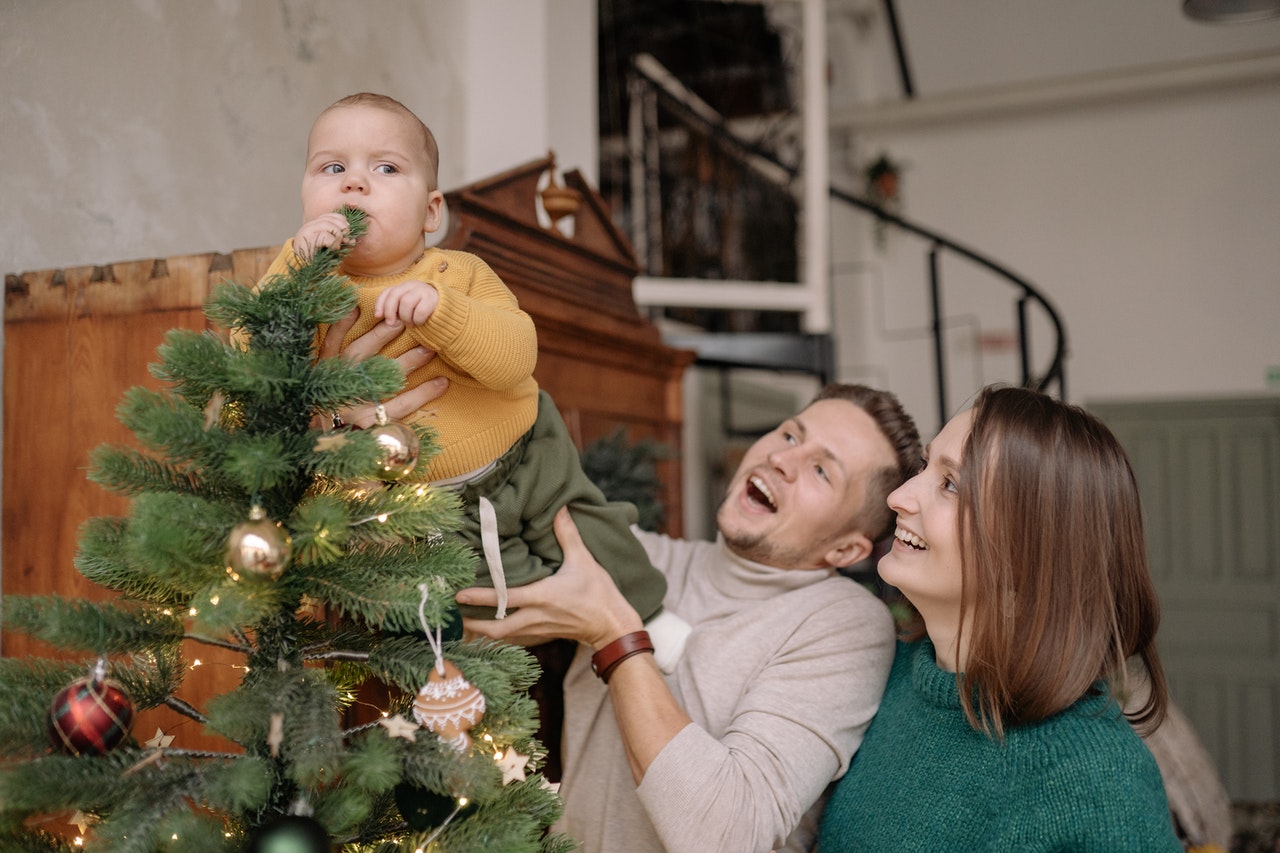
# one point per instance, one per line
(232, 429)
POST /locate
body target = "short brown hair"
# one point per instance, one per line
(385, 102)
(874, 518)
(1054, 563)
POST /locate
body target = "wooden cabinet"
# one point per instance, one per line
(602, 361)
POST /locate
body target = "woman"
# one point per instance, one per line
(1019, 545)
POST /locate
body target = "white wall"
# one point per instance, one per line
(146, 128)
(1150, 224)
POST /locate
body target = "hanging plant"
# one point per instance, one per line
(883, 185)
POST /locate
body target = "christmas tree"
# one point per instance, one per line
(299, 550)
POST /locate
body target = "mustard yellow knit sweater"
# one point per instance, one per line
(485, 345)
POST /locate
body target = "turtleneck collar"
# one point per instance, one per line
(746, 579)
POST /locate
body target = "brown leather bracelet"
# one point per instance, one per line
(607, 659)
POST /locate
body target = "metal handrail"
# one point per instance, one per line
(1056, 371)
(695, 113)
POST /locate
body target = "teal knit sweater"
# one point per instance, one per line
(925, 780)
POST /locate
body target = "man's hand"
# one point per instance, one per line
(404, 403)
(579, 602)
(410, 303)
(328, 230)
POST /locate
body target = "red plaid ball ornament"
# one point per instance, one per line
(91, 715)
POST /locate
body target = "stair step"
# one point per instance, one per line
(792, 352)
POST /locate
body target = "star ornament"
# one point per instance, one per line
(398, 726)
(512, 764)
(331, 441)
(159, 740)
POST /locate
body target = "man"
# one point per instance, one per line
(785, 664)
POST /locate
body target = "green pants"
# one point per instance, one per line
(539, 474)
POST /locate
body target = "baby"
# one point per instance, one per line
(502, 442)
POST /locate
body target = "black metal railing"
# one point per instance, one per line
(698, 116)
(1028, 295)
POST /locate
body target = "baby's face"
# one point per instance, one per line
(373, 159)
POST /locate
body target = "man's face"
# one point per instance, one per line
(373, 159)
(791, 502)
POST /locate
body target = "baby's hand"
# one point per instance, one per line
(330, 230)
(410, 303)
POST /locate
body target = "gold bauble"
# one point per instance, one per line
(258, 546)
(397, 447)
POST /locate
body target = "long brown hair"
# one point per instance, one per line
(1055, 565)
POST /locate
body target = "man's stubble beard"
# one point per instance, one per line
(756, 547)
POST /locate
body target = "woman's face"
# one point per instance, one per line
(924, 562)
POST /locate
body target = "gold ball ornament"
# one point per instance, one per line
(449, 705)
(258, 546)
(397, 446)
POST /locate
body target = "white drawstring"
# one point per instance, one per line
(493, 554)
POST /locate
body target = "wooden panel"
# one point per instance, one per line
(75, 341)
(1209, 472)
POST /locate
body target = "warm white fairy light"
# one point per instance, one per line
(197, 662)
(192, 612)
(215, 599)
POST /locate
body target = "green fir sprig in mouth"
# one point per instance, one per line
(328, 257)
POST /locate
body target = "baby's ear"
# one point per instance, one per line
(435, 212)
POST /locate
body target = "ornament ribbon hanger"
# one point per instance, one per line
(435, 636)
